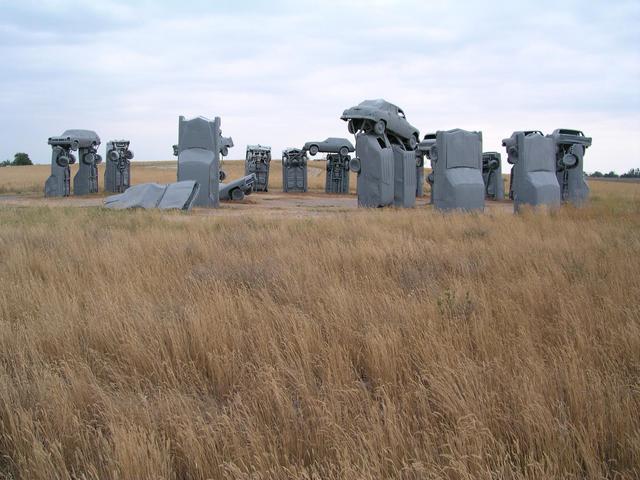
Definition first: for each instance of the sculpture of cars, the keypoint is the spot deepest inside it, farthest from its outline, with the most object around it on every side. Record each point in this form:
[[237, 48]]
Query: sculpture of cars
[[225, 144], [330, 145], [293, 157], [380, 116], [237, 189]]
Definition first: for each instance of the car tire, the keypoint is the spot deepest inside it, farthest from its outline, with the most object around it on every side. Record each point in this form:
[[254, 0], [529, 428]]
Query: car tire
[[222, 175], [62, 161], [113, 155], [379, 127], [224, 151], [89, 158], [413, 142], [313, 150], [237, 195], [351, 126], [128, 154], [355, 165], [344, 151], [569, 161]]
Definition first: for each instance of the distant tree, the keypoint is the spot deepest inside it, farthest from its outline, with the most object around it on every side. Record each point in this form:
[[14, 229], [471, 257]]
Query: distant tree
[[596, 174], [21, 159], [633, 173], [5, 163], [611, 174]]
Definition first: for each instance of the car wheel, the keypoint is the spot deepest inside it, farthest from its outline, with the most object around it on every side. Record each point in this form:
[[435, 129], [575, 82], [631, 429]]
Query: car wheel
[[222, 175], [569, 161], [224, 151], [128, 154], [413, 142], [113, 155], [379, 127], [355, 165], [63, 161], [344, 151], [351, 126], [313, 150], [89, 158], [237, 195]]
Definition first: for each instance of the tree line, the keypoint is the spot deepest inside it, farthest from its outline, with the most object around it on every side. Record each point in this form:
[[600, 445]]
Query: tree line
[[19, 159], [633, 173]]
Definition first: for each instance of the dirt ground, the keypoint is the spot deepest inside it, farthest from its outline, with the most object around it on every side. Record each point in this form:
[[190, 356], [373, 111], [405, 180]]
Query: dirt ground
[[272, 204]]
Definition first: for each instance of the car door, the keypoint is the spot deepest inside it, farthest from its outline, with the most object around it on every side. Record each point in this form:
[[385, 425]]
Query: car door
[[401, 123]]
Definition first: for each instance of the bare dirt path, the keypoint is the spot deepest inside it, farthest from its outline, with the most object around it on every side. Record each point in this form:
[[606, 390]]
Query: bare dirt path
[[267, 204]]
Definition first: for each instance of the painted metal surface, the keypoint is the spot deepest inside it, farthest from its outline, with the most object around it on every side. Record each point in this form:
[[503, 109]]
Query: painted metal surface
[[534, 181]]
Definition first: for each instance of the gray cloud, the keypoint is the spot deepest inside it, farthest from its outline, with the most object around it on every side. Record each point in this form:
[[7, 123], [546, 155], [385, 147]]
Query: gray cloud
[[281, 72]]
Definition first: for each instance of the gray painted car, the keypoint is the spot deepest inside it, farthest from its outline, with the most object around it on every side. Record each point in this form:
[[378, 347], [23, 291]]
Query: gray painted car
[[380, 117], [225, 144], [330, 145], [237, 189]]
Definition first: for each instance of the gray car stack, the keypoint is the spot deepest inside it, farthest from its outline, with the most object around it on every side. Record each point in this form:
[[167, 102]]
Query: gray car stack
[[117, 173], [570, 149], [338, 158], [385, 160], [294, 170], [456, 161], [492, 175], [533, 176], [258, 162], [86, 142], [199, 144]]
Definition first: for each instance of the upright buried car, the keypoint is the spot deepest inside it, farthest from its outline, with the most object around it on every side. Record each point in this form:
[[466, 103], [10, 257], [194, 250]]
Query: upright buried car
[[380, 117], [330, 145]]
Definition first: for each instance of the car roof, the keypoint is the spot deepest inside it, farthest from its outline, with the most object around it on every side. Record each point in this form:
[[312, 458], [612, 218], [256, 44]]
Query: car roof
[[379, 103]]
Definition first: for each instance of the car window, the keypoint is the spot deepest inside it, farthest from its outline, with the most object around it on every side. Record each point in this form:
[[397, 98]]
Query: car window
[[401, 113]]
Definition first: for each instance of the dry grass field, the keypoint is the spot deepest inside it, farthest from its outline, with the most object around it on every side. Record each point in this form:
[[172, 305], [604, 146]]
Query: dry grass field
[[358, 345], [29, 180]]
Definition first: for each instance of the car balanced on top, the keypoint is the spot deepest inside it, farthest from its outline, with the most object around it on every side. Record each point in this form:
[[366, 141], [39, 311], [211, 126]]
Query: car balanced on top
[[382, 118], [330, 145]]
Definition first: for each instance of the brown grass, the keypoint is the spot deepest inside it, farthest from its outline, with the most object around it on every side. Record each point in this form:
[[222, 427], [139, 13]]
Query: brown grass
[[375, 344], [20, 180]]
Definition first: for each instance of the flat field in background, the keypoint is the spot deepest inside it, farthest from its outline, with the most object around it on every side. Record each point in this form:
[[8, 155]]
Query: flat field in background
[[362, 344], [31, 179]]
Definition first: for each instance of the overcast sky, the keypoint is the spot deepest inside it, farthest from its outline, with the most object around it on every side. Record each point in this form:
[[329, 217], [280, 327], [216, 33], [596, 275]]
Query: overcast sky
[[281, 72]]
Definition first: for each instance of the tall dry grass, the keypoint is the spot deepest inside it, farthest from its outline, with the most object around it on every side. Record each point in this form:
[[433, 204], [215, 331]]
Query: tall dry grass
[[375, 344]]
